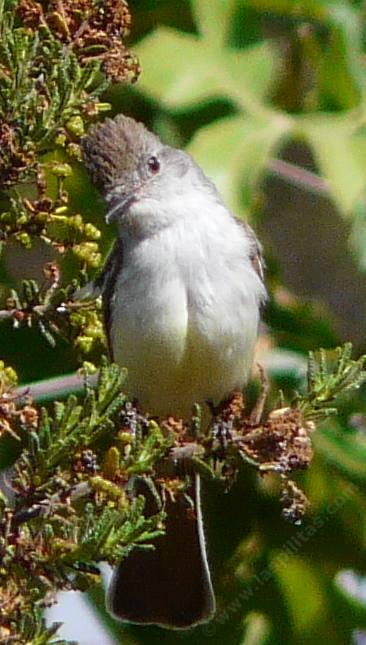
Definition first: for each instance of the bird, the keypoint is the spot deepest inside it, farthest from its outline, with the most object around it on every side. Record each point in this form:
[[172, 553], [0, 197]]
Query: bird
[[182, 291]]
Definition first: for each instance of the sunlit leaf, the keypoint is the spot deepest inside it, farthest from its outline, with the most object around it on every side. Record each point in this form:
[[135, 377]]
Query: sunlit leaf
[[358, 233], [182, 70], [319, 10], [340, 154], [213, 19], [234, 152], [344, 452], [305, 594]]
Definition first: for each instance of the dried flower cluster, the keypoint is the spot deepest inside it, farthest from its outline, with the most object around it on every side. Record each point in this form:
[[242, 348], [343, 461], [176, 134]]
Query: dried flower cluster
[[92, 29], [16, 159], [56, 58], [282, 443]]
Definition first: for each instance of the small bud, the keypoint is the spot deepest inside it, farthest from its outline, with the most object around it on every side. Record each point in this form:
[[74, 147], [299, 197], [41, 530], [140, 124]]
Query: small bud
[[24, 239], [74, 151], [58, 21], [22, 219], [111, 463], [61, 140], [103, 107], [75, 221], [91, 231], [61, 170], [11, 378], [84, 343], [111, 490], [89, 368], [41, 217], [88, 252], [125, 438], [75, 126]]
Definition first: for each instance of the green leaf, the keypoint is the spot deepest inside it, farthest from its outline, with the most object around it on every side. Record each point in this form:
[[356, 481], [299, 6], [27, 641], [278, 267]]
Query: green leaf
[[357, 238], [319, 10], [307, 603], [182, 70], [234, 152], [340, 153], [345, 452], [175, 69], [248, 74], [330, 374], [341, 78], [213, 19]]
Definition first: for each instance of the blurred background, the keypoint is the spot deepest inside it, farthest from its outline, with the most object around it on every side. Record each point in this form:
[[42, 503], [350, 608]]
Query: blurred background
[[269, 98]]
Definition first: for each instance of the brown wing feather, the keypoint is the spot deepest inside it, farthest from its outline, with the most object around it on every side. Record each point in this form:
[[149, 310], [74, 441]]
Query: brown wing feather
[[256, 256], [106, 282]]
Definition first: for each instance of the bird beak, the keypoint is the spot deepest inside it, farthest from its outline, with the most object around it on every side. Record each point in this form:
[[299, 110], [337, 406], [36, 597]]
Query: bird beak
[[118, 206]]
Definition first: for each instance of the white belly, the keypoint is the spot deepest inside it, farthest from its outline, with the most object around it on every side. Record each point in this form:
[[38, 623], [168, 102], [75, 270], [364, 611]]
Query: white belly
[[184, 336]]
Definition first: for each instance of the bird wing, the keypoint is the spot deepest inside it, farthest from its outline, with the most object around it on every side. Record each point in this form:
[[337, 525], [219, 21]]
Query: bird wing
[[256, 256], [105, 284]]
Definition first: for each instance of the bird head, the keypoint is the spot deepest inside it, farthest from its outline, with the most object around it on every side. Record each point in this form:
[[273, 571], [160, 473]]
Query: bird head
[[132, 168]]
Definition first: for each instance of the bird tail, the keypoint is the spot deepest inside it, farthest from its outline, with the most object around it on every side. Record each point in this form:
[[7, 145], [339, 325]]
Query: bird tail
[[171, 585]]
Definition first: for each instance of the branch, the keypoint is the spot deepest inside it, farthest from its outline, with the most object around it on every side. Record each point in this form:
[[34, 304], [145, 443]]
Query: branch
[[50, 307], [298, 176], [73, 504]]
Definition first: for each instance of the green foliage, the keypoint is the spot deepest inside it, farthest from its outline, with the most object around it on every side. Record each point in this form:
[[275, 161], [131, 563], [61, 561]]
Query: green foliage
[[76, 425], [49, 90], [236, 82], [70, 480], [70, 510], [54, 65], [33, 629], [50, 84], [51, 308], [26, 96], [326, 382]]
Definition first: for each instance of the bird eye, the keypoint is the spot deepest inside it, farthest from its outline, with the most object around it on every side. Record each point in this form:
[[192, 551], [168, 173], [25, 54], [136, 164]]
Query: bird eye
[[153, 165]]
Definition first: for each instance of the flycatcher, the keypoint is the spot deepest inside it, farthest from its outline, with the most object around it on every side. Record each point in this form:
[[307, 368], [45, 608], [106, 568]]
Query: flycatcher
[[182, 290]]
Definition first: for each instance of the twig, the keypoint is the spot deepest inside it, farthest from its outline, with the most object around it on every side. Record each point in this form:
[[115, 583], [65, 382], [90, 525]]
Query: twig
[[300, 177], [42, 508], [256, 413], [7, 313], [60, 386]]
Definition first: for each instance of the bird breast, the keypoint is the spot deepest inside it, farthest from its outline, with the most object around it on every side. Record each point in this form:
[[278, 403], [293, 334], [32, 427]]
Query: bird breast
[[185, 317]]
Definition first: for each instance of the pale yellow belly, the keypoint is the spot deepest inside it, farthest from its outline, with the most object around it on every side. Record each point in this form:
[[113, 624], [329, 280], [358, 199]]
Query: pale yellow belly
[[169, 375]]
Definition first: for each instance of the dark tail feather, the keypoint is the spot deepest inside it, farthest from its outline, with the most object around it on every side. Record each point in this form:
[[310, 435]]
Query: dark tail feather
[[170, 586]]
